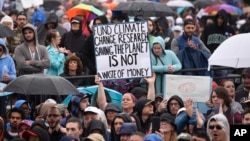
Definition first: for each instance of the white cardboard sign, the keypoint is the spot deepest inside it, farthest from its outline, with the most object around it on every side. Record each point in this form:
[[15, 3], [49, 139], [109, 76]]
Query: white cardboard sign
[[122, 50]]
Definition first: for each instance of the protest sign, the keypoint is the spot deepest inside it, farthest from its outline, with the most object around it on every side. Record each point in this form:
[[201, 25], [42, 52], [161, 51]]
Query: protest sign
[[122, 50], [31, 3], [198, 88]]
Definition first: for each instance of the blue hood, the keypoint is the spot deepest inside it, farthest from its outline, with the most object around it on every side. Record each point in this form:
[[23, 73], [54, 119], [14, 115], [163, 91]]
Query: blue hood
[[153, 137], [19, 103], [6, 51], [160, 41]]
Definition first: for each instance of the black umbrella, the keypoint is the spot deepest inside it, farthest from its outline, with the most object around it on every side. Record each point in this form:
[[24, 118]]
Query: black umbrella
[[5, 31], [41, 84], [144, 8], [203, 3]]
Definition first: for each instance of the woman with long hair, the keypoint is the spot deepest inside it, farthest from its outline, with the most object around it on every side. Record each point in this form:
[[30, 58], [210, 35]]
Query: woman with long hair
[[56, 53], [222, 104], [230, 87]]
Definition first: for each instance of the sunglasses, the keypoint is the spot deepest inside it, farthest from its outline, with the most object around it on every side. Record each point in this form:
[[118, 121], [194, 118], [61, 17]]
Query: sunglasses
[[218, 127]]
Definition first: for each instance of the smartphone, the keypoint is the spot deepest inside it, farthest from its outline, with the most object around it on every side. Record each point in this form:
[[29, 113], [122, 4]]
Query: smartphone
[[155, 123]]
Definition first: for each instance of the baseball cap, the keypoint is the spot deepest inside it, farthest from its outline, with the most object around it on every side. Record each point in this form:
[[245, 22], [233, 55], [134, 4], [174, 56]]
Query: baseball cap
[[75, 21], [112, 107], [28, 133], [184, 136], [91, 109], [168, 118], [138, 92], [127, 129], [25, 122], [36, 132]]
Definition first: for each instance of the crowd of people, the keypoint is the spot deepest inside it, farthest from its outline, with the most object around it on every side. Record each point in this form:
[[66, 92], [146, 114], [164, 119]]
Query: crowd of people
[[59, 46]]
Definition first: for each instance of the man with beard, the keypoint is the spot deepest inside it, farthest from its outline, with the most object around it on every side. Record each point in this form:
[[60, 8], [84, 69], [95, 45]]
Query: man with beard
[[242, 94], [15, 117], [30, 57], [53, 119], [17, 39], [187, 39], [190, 50]]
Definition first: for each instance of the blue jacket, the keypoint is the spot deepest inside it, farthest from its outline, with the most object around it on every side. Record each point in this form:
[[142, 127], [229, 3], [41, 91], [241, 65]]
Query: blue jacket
[[192, 58], [56, 61], [6, 60], [160, 63]]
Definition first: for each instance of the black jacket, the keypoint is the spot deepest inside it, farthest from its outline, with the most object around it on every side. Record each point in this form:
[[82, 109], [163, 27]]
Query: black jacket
[[213, 35]]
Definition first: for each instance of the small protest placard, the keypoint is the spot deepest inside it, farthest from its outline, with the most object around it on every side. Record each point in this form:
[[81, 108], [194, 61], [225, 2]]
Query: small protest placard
[[197, 88], [30, 3], [122, 50]]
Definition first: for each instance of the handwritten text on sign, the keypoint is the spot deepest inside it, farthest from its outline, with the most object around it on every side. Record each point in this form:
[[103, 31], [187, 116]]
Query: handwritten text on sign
[[122, 50], [197, 88]]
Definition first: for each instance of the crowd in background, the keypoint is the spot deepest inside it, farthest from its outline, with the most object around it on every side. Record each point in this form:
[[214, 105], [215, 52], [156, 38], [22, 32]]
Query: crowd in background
[[49, 42]]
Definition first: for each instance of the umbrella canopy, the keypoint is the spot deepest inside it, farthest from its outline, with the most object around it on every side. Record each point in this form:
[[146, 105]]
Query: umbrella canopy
[[204, 3], [179, 3], [212, 10], [5, 31], [2, 85], [84, 10], [115, 96], [41, 84], [233, 52], [144, 8]]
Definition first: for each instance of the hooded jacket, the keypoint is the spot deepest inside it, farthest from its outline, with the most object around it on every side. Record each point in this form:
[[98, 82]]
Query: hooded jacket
[[223, 122], [140, 104], [97, 125], [213, 35], [40, 61], [74, 40], [160, 63], [126, 118], [19, 103], [43, 29], [7, 62], [7, 18], [178, 99]]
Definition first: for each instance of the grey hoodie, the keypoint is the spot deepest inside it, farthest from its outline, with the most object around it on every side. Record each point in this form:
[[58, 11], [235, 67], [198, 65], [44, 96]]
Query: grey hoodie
[[22, 53]]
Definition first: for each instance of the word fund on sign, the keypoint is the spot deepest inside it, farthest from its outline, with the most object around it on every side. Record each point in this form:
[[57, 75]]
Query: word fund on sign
[[122, 50]]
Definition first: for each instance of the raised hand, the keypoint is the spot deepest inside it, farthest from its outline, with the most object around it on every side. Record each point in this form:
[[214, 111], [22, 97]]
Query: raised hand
[[189, 106], [97, 80], [199, 119], [151, 79], [162, 106]]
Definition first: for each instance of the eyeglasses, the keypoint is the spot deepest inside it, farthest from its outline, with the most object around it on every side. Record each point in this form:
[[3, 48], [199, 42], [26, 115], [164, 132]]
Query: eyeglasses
[[53, 115], [174, 104], [218, 127]]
